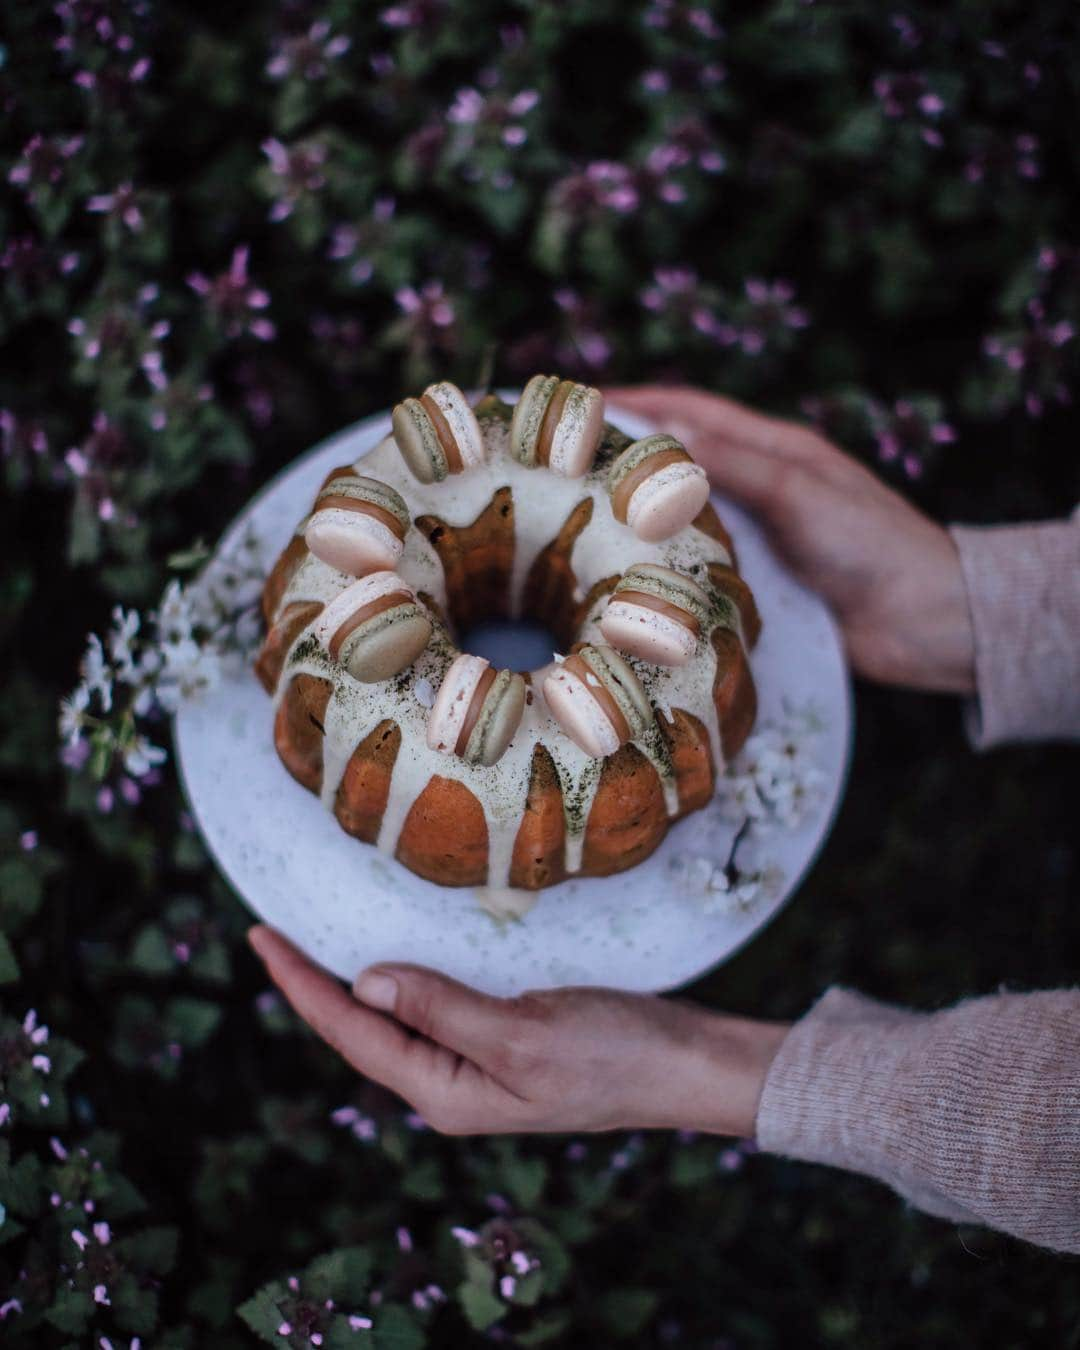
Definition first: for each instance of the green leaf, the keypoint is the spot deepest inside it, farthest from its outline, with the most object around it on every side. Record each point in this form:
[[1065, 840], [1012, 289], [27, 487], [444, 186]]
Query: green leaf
[[20, 893], [9, 966], [423, 1180], [71, 1311], [396, 1329], [21, 1184], [627, 1311], [151, 953], [341, 1275], [547, 1327], [481, 1306], [262, 1314], [192, 1021], [151, 1249]]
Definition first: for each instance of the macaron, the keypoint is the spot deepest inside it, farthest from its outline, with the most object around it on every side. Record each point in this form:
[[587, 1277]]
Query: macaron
[[438, 433], [656, 488], [656, 614], [557, 424], [477, 711], [357, 525], [597, 700], [375, 627]]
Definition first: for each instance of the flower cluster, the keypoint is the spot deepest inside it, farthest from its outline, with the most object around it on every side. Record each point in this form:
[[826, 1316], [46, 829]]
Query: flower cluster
[[233, 300], [140, 671], [774, 781]]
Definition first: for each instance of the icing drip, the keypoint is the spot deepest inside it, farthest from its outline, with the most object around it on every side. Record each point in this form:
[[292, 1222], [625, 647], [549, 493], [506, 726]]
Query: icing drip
[[604, 548]]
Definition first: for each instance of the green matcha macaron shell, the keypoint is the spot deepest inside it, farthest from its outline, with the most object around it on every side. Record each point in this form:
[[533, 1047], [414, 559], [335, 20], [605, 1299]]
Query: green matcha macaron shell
[[476, 711], [557, 424], [656, 488], [375, 627], [437, 433]]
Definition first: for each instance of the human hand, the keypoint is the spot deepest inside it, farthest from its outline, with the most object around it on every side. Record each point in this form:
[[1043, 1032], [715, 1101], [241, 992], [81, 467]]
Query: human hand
[[890, 574], [574, 1059]]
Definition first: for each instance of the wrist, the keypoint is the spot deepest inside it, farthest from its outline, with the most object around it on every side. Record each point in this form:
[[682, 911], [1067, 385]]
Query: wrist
[[721, 1072]]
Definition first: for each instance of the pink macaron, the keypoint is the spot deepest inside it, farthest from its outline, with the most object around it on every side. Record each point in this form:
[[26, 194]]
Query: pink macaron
[[358, 525], [656, 488], [477, 711], [656, 614], [597, 700], [375, 627]]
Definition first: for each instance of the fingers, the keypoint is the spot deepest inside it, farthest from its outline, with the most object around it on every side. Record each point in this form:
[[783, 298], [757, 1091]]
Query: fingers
[[702, 419], [449, 1012], [752, 478], [375, 1045]]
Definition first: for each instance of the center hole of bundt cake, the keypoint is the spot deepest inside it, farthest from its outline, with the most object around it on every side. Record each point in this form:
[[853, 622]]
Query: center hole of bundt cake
[[516, 644]]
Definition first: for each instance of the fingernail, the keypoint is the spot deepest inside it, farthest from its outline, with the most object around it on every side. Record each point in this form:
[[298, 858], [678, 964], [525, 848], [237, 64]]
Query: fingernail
[[376, 990], [256, 936]]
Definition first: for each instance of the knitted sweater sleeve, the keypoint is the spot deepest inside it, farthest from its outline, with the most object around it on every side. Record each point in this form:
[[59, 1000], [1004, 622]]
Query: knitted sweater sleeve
[[972, 1113], [1023, 588]]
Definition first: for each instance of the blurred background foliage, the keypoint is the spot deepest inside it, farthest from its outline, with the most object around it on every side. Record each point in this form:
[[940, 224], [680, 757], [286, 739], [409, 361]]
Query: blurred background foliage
[[230, 230]]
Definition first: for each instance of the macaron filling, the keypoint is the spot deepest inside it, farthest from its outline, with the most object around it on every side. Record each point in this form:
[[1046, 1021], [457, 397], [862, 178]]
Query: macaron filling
[[629, 484], [549, 425], [362, 508], [645, 601], [667, 500], [578, 666], [445, 436], [476, 704], [363, 614]]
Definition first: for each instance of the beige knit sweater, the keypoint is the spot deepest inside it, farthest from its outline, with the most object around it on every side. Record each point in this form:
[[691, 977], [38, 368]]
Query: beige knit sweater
[[972, 1114]]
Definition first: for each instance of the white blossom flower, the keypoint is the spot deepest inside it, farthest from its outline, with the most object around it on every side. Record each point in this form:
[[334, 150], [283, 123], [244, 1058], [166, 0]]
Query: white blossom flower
[[140, 756], [96, 672], [71, 720], [123, 632]]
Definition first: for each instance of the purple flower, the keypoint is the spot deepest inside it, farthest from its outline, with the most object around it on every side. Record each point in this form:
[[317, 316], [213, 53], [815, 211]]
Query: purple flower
[[908, 433], [121, 204], [43, 163], [1033, 356], [234, 300], [428, 310], [299, 169], [21, 442], [308, 55], [416, 14], [98, 465], [997, 158]]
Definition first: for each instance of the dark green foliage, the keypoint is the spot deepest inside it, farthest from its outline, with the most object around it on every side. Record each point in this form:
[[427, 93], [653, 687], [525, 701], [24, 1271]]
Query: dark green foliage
[[227, 232]]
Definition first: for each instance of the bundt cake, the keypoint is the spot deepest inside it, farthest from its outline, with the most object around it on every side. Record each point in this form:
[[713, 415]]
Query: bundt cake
[[472, 777]]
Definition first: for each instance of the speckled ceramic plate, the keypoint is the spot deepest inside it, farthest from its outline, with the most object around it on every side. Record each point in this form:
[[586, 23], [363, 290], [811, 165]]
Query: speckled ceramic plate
[[655, 927]]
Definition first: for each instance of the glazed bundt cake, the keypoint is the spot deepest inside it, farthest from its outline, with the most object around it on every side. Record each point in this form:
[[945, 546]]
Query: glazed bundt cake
[[470, 776]]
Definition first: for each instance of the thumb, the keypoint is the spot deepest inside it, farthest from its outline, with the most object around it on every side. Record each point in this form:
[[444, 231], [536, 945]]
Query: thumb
[[438, 1007]]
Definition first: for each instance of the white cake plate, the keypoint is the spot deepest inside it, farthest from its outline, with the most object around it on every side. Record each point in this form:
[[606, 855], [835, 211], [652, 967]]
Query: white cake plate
[[347, 905]]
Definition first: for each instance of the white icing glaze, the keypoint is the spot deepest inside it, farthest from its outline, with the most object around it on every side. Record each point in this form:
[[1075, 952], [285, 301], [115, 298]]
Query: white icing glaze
[[604, 548]]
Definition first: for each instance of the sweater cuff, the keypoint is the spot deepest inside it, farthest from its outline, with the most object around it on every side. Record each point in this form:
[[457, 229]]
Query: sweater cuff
[[971, 1113], [836, 1090], [1023, 587]]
